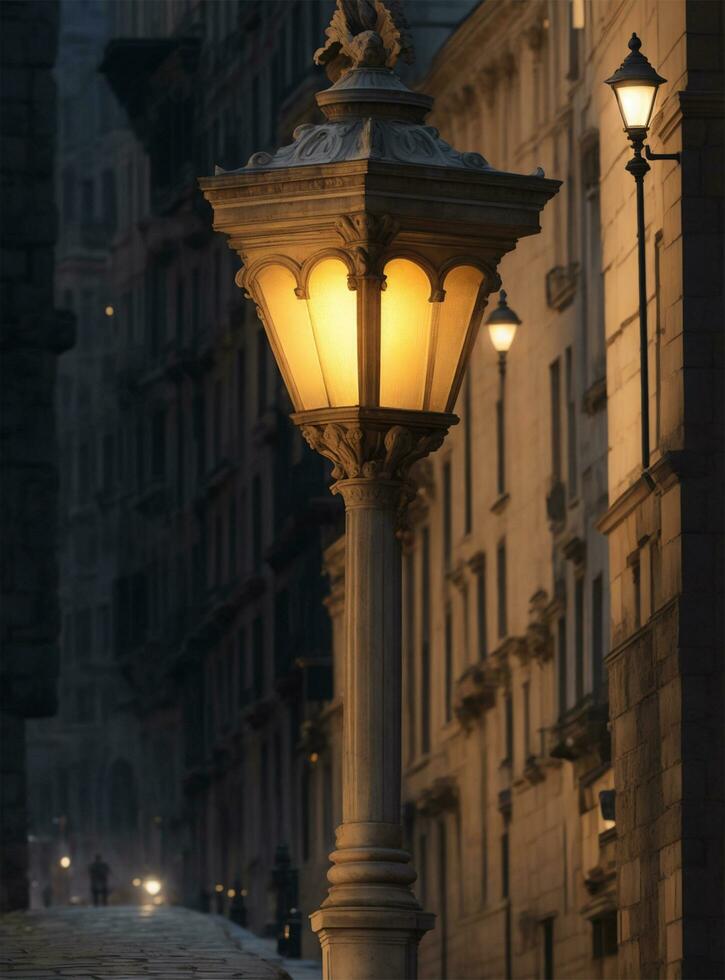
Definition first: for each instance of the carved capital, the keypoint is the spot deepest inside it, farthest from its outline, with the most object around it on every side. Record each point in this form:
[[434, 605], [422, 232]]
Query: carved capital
[[366, 236], [377, 446]]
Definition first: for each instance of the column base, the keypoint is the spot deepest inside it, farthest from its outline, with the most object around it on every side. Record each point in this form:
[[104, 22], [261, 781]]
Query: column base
[[370, 943]]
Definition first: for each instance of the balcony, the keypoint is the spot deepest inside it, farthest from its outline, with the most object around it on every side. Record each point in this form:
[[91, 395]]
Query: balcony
[[582, 734], [441, 796], [561, 284], [475, 692]]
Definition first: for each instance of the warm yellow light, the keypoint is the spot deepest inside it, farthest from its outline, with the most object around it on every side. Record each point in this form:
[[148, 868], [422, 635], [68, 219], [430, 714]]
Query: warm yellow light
[[635, 104], [405, 334], [314, 757], [158, 900], [502, 336], [109, 311], [333, 313], [291, 338], [136, 882], [152, 886], [457, 316], [219, 888], [231, 893], [65, 861]]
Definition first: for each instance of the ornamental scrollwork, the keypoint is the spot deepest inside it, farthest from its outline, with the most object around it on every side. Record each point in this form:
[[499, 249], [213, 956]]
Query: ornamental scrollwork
[[365, 34], [361, 453]]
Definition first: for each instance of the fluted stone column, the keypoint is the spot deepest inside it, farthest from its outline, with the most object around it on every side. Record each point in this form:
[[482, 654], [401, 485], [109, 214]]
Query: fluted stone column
[[371, 923]]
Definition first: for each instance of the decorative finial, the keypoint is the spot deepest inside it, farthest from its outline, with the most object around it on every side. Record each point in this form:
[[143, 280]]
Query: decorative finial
[[634, 43], [502, 298], [365, 34]]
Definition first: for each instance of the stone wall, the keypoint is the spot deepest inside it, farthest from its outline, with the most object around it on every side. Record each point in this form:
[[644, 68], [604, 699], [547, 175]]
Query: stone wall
[[32, 334]]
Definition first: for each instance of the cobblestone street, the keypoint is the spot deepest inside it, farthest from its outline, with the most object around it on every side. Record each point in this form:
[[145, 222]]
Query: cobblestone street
[[125, 943]]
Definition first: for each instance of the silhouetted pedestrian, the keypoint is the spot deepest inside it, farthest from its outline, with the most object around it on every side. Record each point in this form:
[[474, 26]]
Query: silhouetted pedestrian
[[99, 873]]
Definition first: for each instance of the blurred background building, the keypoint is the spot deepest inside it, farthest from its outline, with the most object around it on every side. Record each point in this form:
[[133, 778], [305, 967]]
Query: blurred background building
[[202, 585], [32, 335]]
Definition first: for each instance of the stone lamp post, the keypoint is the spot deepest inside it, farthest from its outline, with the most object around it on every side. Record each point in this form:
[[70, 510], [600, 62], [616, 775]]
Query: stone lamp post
[[370, 247]]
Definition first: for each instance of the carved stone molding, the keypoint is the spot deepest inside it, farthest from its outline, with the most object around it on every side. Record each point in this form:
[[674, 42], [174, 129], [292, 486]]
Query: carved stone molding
[[392, 141], [475, 693]]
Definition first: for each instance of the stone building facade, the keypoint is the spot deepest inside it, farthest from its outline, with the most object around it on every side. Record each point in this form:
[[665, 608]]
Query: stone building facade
[[195, 641], [32, 334], [555, 713]]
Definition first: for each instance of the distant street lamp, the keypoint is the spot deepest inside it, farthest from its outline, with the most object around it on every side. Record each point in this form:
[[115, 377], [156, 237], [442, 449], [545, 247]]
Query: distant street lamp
[[65, 862], [152, 886], [370, 247], [502, 325], [635, 85]]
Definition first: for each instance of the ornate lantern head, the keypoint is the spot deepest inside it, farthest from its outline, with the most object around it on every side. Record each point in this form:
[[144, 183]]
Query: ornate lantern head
[[635, 85], [370, 245]]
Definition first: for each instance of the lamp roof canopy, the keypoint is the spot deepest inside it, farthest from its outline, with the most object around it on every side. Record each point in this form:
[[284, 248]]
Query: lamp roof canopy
[[635, 69], [374, 154]]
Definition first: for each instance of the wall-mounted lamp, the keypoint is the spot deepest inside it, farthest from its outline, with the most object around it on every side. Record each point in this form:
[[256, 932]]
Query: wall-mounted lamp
[[635, 85]]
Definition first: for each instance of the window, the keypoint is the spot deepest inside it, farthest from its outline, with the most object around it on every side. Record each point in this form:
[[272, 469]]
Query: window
[[305, 811], [195, 303], [448, 682], [443, 895], [561, 665], [158, 444], [526, 698], [69, 195], [555, 393], [425, 644], [579, 638], [179, 311], [570, 425], [258, 657], [218, 419], [282, 632], [501, 587], [504, 865], [261, 373], [256, 523], [110, 209], [87, 207], [232, 538], [593, 332], [241, 398], [481, 607], [509, 728], [109, 457], [447, 514], [467, 460], [547, 928], [604, 936], [422, 864], [597, 633]]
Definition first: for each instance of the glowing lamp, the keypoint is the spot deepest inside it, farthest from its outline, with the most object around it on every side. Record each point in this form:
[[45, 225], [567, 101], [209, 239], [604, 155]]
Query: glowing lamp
[[152, 886], [635, 85], [65, 861], [502, 325]]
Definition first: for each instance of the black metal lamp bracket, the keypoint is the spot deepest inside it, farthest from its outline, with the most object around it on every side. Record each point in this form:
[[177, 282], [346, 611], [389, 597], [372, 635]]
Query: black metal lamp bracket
[[660, 156]]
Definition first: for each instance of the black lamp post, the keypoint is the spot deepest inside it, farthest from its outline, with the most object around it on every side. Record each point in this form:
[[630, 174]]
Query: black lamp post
[[635, 85]]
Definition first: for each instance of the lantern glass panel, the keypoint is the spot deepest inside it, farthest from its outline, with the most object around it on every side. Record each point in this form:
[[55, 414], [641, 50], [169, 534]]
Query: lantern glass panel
[[502, 335], [333, 314], [635, 104], [405, 335], [453, 319], [292, 339]]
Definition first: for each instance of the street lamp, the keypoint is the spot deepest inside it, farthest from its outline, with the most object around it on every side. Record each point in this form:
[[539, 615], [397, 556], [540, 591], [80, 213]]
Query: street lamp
[[502, 325], [370, 246], [635, 85]]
